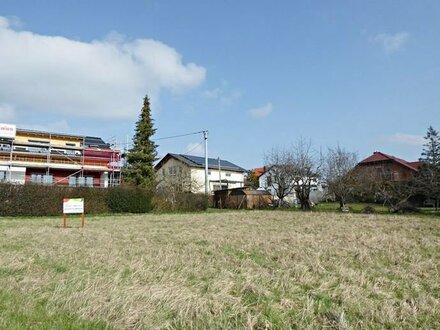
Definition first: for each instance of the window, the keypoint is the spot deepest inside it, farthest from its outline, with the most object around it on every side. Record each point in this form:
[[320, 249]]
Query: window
[[38, 141], [5, 147], [81, 181], [37, 150], [16, 175], [172, 170], [228, 174], [70, 144], [379, 171], [268, 181], [388, 175], [41, 179], [218, 187]]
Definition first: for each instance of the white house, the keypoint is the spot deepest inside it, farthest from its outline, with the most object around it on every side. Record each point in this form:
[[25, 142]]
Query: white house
[[317, 191], [189, 172]]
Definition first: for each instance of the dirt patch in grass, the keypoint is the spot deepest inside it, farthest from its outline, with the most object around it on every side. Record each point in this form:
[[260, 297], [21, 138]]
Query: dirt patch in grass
[[250, 270]]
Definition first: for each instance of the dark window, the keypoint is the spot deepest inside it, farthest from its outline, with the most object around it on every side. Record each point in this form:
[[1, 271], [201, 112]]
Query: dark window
[[269, 181], [38, 141]]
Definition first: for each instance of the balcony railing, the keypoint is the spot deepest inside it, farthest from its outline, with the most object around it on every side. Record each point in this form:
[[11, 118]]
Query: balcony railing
[[66, 161]]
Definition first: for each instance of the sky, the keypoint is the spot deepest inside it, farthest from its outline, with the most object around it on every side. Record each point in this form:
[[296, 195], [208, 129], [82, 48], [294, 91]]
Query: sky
[[255, 74]]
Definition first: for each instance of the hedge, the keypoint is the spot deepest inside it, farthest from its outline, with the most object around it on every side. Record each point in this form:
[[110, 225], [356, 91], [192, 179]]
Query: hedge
[[164, 201], [39, 200]]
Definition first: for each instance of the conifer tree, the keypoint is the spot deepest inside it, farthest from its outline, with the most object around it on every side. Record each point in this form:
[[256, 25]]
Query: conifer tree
[[141, 157], [427, 179], [431, 152]]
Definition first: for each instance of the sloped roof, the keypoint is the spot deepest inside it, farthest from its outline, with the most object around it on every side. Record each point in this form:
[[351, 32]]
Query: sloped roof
[[259, 171], [197, 161], [378, 156]]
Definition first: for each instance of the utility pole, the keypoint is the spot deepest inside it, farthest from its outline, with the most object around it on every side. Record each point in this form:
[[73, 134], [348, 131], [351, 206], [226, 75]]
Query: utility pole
[[205, 136], [219, 173], [10, 161]]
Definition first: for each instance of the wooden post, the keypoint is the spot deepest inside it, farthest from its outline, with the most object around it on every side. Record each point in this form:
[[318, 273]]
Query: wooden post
[[82, 220], [65, 220]]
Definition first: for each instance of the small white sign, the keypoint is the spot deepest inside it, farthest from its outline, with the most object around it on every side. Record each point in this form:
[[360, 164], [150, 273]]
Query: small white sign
[[8, 131], [73, 205]]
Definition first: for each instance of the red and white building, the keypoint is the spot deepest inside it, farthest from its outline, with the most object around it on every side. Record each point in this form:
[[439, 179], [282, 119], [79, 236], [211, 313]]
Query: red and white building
[[29, 156]]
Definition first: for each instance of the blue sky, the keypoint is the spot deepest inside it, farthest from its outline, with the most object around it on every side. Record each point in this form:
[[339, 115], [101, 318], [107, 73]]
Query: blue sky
[[256, 74]]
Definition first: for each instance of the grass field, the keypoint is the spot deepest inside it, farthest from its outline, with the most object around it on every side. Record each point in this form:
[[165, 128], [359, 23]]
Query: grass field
[[249, 270]]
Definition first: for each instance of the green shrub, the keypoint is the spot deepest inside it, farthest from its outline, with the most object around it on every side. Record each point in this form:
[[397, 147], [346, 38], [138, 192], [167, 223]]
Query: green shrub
[[162, 204], [39, 200], [129, 199], [188, 202], [166, 201]]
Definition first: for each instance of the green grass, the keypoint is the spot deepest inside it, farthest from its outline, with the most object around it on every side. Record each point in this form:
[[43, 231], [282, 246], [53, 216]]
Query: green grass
[[246, 270], [354, 207]]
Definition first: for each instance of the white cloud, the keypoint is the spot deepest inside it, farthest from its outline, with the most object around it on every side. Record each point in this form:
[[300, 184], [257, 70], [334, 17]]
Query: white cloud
[[195, 149], [223, 94], [103, 79], [406, 139], [213, 93], [392, 42], [7, 113], [261, 112]]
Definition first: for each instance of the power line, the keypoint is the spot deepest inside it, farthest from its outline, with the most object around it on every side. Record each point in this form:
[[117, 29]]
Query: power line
[[176, 136], [158, 139], [186, 153]]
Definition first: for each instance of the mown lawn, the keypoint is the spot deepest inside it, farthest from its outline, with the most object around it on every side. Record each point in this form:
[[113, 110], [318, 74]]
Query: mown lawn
[[249, 270]]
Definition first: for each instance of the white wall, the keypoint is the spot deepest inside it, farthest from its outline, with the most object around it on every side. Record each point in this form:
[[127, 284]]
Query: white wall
[[317, 192], [13, 175], [231, 178], [262, 180]]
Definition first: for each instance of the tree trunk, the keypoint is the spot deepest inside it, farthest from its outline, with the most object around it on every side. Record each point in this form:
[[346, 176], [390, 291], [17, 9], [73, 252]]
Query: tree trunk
[[305, 204]]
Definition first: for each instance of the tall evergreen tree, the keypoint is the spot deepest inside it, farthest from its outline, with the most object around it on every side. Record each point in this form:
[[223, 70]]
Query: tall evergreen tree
[[431, 151], [141, 157], [427, 179]]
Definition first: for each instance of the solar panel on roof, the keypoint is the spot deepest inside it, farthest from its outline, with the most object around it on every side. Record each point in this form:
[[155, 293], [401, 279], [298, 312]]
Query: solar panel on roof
[[95, 142], [212, 162]]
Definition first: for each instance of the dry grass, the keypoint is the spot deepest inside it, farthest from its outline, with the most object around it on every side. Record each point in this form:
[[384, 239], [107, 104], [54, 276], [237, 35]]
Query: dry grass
[[250, 270]]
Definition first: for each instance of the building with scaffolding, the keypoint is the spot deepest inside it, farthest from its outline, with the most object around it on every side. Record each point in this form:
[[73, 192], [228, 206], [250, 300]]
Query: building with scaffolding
[[29, 156]]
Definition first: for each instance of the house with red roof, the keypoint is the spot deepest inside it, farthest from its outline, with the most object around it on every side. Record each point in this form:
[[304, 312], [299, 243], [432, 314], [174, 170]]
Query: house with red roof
[[389, 167], [259, 171]]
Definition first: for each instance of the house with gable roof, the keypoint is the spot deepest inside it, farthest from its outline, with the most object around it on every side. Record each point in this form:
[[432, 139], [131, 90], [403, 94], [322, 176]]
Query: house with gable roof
[[389, 167], [189, 171]]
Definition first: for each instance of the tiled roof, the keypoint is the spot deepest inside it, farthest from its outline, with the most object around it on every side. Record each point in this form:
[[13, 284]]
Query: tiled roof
[[259, 171], [380, 157]]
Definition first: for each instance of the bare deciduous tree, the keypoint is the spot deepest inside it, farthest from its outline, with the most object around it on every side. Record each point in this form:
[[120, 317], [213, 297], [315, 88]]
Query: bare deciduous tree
[[338, 173], [377, 185], [306, 170], [280, 174], [293, 170], [171, 185]]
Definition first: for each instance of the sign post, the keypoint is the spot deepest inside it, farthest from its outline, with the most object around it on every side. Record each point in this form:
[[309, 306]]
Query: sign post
[[73, 206]]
